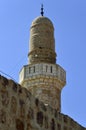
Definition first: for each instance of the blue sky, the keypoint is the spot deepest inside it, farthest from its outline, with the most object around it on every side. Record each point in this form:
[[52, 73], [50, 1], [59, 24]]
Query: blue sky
[[69, 19]]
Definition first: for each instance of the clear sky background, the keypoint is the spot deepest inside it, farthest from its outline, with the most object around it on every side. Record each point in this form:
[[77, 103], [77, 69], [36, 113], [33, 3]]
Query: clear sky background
[[69, 19]]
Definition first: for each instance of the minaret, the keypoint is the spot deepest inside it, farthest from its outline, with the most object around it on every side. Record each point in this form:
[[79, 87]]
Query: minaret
[[42, 76]]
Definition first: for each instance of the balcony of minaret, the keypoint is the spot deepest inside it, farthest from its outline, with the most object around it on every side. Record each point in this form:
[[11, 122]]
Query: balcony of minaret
[[42, 73]]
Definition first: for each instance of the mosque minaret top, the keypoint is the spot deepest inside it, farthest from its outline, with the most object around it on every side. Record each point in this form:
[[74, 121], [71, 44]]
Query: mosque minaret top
[[42, 41]]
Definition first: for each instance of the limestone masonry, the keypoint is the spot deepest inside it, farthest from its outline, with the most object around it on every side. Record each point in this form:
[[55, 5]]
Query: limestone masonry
[[42, 76], [35, 103], [19, 110]]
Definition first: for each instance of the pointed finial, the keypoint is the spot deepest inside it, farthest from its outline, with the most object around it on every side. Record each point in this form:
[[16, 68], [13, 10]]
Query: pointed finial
[[42, 12]]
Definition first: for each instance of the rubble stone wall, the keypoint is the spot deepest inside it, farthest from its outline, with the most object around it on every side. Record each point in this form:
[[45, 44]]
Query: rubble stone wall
[[19, 110]]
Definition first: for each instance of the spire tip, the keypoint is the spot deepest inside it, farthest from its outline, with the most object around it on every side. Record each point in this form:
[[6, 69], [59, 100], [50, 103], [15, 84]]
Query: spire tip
[[42, 10]]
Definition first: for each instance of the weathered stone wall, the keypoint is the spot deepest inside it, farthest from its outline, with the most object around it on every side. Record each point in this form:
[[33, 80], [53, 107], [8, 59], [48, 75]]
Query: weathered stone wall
[[19, 110]]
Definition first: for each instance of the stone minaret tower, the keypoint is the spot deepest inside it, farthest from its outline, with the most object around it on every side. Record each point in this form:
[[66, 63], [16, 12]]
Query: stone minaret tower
[[42, 76]]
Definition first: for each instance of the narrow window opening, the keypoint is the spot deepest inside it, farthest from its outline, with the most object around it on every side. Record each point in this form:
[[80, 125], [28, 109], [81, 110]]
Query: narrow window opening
[[29, 70], [46, 68], [51, 69], [34, 69]]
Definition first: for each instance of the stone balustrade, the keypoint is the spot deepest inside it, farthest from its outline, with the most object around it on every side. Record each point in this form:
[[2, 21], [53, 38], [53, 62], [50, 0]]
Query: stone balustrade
[[52, 71]]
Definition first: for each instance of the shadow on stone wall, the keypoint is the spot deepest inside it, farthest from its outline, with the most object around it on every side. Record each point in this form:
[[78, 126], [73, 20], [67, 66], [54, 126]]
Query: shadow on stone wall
[[19, 110]]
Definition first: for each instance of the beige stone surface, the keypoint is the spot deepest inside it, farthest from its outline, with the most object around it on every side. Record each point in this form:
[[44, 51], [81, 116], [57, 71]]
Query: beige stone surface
[[42, 42], [43, 77], [44, 83], [36, 103], [19, 110]]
